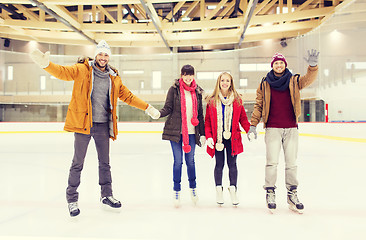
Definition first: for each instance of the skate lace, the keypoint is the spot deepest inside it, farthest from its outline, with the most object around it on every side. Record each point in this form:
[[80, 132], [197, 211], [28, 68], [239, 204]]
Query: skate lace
[[294, 198], [112, 199], [176, 195], [73, 206], [271, 197], [193, 192]]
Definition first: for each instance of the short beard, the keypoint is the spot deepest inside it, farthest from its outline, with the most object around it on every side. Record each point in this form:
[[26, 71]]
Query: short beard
[[99, 66], [279, 74]]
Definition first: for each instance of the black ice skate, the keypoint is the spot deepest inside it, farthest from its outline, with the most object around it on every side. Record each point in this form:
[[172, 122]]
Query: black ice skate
[[271, 199], [110, 203], [73, 209], [293, 201]]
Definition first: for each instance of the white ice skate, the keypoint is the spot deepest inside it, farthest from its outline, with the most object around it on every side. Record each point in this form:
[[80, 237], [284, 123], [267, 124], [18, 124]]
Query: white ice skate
[[271, 199], [194, 196], [293, 201], [176, 199], [234, 199], [110, 204], [219, 195]]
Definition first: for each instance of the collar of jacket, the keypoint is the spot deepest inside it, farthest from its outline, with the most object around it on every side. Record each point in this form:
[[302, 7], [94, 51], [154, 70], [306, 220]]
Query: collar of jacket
[[176, 85], [113, 72]]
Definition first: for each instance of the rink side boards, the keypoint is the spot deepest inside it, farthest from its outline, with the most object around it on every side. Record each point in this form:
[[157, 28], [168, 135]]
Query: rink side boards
[[347, 139]]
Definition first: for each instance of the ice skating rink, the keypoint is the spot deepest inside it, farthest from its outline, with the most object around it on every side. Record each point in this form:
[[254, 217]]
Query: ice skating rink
[[35, 160]]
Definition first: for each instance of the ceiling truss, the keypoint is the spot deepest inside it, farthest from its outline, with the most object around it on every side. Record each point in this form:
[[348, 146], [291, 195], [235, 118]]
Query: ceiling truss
[[161, 23]]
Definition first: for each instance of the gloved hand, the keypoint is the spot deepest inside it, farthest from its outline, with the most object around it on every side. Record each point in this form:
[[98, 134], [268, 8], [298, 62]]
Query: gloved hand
[[210, 143], [312, 59], [252, 129], [152, 112], [40, 58], [202, 140]]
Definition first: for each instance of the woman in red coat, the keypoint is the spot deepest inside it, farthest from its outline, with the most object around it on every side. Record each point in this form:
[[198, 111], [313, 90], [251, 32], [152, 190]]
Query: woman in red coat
[[224, 112]]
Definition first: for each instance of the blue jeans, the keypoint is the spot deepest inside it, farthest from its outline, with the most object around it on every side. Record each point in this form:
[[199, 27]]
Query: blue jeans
[[178, 162]]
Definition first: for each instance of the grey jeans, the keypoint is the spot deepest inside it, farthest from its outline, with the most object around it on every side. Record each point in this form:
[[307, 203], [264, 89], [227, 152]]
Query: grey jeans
[[100, 134], [288, 139]]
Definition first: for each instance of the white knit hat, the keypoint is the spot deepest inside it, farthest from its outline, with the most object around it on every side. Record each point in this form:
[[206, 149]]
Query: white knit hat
[[102, 47]]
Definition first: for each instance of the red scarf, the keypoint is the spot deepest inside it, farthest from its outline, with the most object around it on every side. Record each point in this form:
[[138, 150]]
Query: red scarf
[[194, 120]]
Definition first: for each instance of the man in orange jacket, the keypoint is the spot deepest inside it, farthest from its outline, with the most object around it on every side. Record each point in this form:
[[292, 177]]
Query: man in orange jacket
[[92, 113]]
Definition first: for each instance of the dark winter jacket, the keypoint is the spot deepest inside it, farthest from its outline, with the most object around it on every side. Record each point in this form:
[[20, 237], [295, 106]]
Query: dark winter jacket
[[173, 125]]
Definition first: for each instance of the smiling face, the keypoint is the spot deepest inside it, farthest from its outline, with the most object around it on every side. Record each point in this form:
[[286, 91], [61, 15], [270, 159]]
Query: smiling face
[[101, 60], [225, 84], [187, 79], [279, 66]]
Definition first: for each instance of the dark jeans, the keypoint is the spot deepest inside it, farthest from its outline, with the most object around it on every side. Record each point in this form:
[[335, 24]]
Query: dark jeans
[[231, 162], [178, 162], [100, 134]]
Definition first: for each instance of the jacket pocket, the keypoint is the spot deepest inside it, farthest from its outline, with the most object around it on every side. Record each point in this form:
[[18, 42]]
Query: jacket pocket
[[76, 119]]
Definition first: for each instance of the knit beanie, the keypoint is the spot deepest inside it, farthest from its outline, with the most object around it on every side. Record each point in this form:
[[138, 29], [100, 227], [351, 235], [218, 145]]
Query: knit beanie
[[103, 47], [278, 57]]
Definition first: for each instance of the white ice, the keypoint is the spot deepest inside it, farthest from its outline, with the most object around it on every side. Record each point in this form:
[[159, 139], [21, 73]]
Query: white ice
[[34, 169]]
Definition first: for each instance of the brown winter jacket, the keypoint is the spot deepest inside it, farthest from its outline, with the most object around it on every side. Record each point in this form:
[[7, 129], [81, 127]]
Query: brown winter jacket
[[173, 125], [263, 99], [79, 116]]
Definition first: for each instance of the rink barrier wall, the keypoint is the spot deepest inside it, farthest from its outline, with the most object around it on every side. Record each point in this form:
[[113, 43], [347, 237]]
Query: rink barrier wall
[[347, 139], [350, 132]]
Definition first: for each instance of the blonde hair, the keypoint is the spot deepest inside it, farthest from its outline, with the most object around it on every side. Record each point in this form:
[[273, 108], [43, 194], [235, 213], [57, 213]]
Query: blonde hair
[[215, 95]]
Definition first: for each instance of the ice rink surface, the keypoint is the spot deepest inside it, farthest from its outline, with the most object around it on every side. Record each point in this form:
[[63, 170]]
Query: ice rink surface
[[35, 160]]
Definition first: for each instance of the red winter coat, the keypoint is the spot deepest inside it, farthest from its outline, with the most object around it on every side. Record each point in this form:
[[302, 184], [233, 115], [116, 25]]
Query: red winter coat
[[239, 115]]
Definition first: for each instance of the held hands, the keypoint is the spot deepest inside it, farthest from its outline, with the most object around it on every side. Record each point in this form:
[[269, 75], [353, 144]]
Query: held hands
[[210, 143], [202, 140], [40, 58], [253, 130], [152, 112], [312, 59]]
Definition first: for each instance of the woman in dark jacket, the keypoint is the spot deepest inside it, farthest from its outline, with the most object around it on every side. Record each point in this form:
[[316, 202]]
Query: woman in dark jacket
[[184, 127]]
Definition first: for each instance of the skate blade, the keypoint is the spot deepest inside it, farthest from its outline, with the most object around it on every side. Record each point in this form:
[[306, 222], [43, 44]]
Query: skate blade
[[107, 208], [74, 218], [176, 204], [272, 210], [220, 204], [294, 209]]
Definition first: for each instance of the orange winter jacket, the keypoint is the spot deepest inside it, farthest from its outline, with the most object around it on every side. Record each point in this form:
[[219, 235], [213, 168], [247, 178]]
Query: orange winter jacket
[[79, 116]]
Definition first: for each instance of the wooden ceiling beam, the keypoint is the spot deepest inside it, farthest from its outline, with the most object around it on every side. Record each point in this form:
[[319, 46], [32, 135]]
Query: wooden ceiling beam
[[105, 12], [35, 25], [28, 14], [175, 10], [227, 10], [118, 27], [216, 10], [260, 6], [89, 2], [305, 14], [189, 10]]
